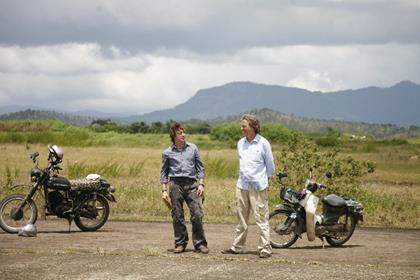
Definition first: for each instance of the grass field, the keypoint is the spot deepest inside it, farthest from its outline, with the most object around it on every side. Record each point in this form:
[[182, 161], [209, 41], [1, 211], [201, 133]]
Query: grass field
[[391, 194]]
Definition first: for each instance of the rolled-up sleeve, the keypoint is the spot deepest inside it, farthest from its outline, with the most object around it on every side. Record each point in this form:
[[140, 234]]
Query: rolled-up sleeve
[[199, 166], [164, 172]]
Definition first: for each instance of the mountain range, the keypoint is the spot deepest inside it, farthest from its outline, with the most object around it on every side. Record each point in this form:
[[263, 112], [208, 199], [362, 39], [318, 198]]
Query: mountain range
[[398, 104]]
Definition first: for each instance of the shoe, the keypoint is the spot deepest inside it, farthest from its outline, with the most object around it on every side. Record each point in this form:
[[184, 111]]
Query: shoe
[[230, 251], [179, 249], [203, 249], [264, 255]]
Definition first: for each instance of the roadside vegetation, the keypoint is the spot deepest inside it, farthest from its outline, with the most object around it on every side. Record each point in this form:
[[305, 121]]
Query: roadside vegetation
[[381, 173]]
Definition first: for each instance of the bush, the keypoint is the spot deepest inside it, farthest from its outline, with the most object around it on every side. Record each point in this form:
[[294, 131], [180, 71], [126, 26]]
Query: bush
[[226, 132], [299, 156], [276, 133]]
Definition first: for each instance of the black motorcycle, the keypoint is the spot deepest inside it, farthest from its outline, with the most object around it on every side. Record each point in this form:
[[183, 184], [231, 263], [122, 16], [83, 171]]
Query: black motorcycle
[[84, 200], [296, 216]]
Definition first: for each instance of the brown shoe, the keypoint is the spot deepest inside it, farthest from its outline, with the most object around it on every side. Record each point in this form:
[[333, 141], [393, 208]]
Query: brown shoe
[[264, 255], [230, 251], [203, 249], [179, 249]]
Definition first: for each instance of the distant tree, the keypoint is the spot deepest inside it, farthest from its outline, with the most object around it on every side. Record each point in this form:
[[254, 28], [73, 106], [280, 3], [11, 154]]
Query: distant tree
[[227, 132], [138, 127], [156, 127]]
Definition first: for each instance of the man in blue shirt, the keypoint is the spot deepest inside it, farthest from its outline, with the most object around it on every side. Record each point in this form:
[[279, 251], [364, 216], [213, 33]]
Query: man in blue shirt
[[256, 166], [181, 167]]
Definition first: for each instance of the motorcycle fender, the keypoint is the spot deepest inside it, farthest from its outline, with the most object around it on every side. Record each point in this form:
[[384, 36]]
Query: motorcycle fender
[[21, 185], [310, 209], [110, 197], [282, 207]]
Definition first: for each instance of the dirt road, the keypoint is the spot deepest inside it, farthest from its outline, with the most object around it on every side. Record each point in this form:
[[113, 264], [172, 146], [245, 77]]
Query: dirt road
[[141, 250]]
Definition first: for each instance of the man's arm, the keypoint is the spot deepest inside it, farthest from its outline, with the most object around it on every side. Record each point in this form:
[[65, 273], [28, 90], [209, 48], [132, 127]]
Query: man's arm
[[269, 160], [199, 166], [164, 172]]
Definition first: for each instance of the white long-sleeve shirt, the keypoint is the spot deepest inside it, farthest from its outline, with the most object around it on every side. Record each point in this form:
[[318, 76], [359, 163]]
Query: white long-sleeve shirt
[[256, 163]]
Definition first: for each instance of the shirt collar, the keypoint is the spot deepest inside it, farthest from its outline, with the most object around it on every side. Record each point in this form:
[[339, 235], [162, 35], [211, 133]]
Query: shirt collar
[[255, 140], [173, 146]]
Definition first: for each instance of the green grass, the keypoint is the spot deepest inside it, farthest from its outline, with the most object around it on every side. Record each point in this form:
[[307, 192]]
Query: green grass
[[391, 195]]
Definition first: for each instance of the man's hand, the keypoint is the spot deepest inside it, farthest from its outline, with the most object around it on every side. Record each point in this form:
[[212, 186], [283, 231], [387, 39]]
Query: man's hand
[[166, 200], [165, 195], [200, 190]]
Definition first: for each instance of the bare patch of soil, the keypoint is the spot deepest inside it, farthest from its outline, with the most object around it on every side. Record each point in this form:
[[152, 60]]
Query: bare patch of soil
[[143, 250]]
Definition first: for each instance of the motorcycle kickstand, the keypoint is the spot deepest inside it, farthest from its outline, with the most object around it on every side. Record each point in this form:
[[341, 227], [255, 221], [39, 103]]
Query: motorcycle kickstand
[[323, 244], [70, 219]]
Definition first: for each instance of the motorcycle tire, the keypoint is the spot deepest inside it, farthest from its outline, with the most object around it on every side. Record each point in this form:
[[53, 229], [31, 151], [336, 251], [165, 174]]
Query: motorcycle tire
[[338, 239], [28, 215], [282, 234], [93, 215]]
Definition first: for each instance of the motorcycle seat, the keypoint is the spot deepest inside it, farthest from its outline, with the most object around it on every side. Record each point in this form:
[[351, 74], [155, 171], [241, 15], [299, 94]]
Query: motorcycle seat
[[334, 200]]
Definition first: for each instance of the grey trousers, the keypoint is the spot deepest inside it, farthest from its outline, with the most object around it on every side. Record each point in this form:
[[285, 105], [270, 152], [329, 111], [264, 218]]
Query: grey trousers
[[179, 193]]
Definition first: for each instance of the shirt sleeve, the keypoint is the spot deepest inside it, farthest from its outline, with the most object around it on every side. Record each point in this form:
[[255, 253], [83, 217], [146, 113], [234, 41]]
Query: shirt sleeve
[[164, 172], [268, 158], [199, 166]]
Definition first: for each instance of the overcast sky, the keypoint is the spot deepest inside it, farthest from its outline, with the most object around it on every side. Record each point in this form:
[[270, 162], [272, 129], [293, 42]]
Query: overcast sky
[[138, 56]]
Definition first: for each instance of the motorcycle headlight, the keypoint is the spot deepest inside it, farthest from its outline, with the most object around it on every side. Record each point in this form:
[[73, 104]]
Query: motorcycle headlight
[[111, 189]]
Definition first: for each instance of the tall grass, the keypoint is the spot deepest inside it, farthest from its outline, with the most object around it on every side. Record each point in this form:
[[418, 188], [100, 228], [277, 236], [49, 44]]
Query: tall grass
[[391, 195], [219, 167]]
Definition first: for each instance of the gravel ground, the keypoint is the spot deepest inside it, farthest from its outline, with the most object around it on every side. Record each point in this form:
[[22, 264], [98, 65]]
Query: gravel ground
[[143, 250]]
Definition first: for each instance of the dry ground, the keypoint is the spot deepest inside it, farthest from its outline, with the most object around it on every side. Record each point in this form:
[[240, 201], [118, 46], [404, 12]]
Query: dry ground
[[143, 250]]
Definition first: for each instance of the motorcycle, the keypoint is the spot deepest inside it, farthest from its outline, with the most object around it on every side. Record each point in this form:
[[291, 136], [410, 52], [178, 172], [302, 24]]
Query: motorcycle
[[297, 215], [83, 200]]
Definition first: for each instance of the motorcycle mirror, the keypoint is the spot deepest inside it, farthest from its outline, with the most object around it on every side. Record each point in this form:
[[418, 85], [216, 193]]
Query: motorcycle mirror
[[328, 174], [282, 175], [34, 156]]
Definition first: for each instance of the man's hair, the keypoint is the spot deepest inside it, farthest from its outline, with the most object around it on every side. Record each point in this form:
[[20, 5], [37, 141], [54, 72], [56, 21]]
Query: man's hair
[[175, 126], [253, 122]]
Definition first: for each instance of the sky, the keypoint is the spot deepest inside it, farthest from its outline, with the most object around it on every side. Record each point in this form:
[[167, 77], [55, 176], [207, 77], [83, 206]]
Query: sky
[[136, 56]]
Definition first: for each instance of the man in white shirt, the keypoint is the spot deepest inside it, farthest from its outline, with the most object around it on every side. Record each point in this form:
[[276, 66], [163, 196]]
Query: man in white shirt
[[256, 165]]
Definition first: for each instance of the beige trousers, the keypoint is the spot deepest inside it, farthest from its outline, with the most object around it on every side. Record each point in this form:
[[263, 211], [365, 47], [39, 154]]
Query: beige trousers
[[257, 202]]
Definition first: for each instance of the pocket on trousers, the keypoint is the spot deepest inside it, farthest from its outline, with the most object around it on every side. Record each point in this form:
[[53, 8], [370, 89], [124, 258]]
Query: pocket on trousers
[[261, 209]]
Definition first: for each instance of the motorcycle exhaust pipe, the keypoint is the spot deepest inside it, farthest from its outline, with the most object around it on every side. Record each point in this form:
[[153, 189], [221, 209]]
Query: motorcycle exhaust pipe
[[321, 230]]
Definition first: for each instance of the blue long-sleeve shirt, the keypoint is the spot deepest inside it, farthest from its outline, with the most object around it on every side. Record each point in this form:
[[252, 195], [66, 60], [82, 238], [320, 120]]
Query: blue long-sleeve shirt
[[181, 163], [256, 163]]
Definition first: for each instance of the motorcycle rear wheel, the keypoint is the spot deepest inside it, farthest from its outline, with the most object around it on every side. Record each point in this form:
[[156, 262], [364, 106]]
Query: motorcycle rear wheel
[[28, 214], [93, 215], [339, 238], [282, 234]]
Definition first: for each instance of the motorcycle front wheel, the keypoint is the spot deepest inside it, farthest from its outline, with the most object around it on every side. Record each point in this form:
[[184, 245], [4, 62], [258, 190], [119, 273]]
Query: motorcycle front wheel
[[282, 234], [339, 238], [12, 220], [94, 214]]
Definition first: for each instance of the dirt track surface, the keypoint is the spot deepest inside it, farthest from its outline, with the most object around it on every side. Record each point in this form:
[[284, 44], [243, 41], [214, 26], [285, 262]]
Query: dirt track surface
[[142, 250]]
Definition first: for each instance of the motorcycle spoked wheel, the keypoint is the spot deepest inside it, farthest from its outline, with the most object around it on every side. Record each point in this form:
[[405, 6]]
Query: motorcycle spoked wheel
[[281, 235], [12, 221], [339, 238], [93, 215]]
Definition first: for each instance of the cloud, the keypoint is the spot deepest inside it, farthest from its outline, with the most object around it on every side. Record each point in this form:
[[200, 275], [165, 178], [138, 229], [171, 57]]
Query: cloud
[[138, 56], [88, 76], [209, 26]]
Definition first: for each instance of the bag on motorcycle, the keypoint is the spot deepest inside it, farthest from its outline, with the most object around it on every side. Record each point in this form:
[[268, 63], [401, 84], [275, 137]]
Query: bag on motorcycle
[[85, 185], [331, 214]]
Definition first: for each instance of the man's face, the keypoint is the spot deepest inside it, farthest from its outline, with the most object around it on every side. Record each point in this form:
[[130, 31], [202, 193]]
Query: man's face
[[180, 136], [246, 129]]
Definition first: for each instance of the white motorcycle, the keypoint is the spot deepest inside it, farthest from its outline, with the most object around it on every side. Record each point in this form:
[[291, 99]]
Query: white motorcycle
[[297, 215]]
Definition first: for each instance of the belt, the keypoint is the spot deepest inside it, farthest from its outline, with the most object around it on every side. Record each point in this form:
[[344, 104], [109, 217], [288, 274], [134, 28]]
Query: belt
[[183, 180]]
